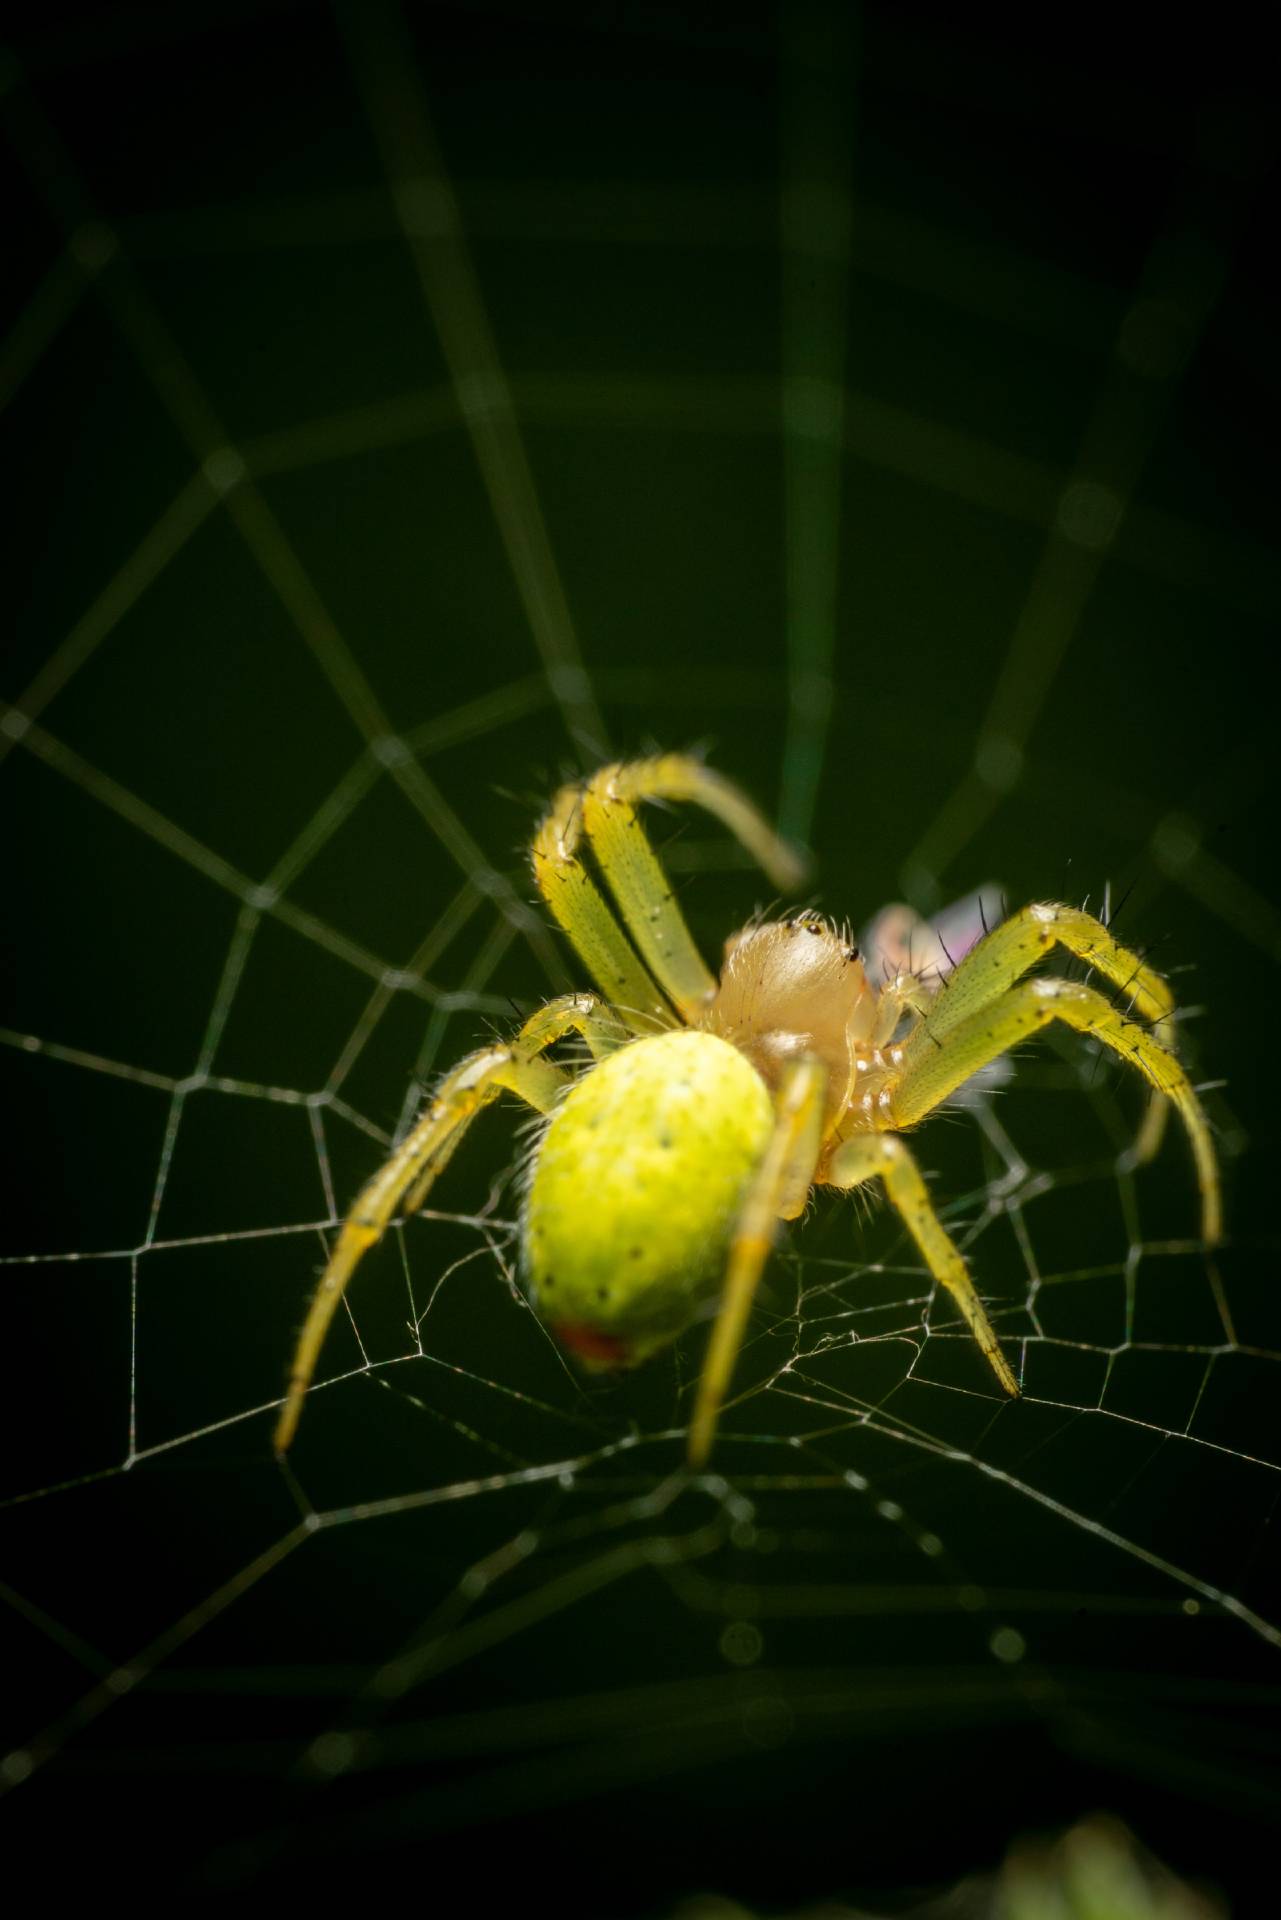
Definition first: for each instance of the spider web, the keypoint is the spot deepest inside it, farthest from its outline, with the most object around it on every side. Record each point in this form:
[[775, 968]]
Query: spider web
[[409, 438]]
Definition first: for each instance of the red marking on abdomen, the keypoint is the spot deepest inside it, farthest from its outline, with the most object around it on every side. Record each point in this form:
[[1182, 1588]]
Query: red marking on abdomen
[[601, 1349]]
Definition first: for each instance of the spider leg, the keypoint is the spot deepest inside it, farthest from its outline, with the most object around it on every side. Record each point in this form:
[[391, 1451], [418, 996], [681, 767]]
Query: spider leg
[[991, 967], [402, 1182], [931, 1067], [583, 914], [995, 963], [637, 881], [777, 1190], [907, 993], [601, 1028], [885, 1157], [1151, 1132]]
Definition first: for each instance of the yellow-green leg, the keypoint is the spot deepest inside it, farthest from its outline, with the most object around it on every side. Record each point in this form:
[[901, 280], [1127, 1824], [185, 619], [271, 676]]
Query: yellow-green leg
[[932, 1067], [581, 910], [1151, 1132], [402, 1183], [884, 1157], [993, 966], [581, 1013], [777, 1191], [637, 881]]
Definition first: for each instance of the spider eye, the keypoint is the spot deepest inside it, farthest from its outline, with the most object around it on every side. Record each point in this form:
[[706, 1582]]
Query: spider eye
[[851, 953]]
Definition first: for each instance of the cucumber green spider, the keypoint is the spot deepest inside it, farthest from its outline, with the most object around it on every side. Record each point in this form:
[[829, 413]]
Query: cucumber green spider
[[709, 1107]]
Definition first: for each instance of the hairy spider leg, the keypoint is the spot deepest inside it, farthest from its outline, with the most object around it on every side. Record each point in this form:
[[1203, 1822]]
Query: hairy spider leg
[[884, 1157], [778, 1190], [931, 1068], [601, 1028], [906, 994], [426, 1149], [995, 963], [998, 960], [582, 913], [636, 879]]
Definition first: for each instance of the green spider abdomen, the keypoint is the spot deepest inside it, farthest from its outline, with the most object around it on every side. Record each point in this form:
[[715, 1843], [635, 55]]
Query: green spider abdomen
[[635, 1191]]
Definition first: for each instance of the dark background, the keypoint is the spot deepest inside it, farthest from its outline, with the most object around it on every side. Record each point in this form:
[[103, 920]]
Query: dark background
[[1034, 264]]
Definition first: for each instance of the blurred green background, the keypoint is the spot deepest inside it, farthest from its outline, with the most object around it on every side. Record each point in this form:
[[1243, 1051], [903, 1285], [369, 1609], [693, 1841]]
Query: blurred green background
[[402, 412]]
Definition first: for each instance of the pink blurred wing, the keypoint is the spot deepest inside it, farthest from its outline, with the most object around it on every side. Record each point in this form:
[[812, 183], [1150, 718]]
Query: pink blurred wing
[[900, 940], [962, 925]]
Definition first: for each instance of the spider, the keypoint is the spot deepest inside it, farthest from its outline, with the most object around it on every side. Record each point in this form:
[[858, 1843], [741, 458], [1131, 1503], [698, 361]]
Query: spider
[[707, 1109]]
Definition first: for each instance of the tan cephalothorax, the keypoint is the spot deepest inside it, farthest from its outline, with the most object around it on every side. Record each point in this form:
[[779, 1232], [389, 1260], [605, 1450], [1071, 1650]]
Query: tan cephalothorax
[[791, 988], [709, 1108]]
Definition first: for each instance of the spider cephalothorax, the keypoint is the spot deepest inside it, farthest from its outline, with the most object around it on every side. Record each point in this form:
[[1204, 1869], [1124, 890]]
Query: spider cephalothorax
[[710, 1107], [794, 987]]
